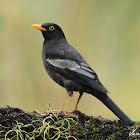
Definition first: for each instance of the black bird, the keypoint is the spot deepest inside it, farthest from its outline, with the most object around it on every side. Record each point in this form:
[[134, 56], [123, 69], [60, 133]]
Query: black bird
[[65, 65]]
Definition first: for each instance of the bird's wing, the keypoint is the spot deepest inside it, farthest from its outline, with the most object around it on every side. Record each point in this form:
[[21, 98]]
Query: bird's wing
[[78, 72]]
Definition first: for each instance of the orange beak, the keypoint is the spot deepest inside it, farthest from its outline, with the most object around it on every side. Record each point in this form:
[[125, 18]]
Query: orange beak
[[38, 26]]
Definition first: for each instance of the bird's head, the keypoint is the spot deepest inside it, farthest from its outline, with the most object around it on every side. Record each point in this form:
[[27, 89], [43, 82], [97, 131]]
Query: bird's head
[[50, 31]]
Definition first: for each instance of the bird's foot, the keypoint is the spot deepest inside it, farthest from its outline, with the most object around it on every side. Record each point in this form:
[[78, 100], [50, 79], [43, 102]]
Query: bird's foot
[[53, 111]]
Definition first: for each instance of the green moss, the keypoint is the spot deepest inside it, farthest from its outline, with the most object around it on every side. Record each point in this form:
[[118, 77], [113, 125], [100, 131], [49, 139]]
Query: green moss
[[18, 125]]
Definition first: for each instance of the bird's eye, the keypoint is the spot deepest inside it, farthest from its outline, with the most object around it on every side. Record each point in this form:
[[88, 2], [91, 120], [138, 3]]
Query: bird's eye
[[51, 28]]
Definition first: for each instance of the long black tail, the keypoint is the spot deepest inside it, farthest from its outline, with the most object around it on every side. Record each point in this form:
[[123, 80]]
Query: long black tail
[[115, 109]]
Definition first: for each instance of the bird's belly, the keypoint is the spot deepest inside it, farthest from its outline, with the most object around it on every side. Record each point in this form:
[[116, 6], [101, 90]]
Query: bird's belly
[[63, 81]]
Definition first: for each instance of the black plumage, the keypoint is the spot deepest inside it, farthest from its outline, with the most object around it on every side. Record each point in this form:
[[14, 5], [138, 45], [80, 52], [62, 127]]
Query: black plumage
[[67, 67]]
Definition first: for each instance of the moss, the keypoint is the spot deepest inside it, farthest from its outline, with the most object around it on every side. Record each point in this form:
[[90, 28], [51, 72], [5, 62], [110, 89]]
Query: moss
[[16, 124]]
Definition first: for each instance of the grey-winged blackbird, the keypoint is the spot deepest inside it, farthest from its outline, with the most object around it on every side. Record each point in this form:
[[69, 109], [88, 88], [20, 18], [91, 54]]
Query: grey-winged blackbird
[[65, 65]]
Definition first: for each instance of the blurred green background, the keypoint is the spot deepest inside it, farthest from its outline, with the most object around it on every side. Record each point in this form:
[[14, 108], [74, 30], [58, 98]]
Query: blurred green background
[[105, 32]]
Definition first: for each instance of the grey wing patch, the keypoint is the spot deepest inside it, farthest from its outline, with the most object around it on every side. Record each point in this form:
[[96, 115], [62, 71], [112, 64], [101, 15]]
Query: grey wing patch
[[85, 73], [82, 69], [60, 63], [86, 67], [86, 70]]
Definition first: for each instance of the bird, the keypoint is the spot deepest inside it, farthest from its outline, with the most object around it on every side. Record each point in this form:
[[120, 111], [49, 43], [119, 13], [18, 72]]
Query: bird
[[67, 67]]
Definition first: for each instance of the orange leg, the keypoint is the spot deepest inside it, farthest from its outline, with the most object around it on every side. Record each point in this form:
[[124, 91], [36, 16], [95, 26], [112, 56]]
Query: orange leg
[[80, 96], [66, 102]]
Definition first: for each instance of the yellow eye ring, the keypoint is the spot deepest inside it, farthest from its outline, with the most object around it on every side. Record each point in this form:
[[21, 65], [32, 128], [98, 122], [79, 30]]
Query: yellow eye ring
[[51, 28]]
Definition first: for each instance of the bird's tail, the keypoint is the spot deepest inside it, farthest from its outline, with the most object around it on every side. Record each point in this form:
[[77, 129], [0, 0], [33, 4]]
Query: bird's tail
[[115, 109]]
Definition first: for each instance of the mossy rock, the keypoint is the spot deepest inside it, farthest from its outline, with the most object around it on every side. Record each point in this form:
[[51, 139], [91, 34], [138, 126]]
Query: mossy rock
[[19, 125]]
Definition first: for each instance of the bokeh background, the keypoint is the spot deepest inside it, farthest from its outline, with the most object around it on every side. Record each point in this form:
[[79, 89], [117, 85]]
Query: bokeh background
[[105, 32]]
